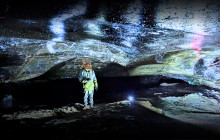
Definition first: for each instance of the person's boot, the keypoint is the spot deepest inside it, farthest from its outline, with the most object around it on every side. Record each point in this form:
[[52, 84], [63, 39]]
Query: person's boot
[[89, 107], [85, 108]]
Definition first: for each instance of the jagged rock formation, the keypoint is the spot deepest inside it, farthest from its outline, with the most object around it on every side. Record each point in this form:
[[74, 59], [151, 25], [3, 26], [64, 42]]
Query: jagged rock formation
[[41, 113], [196, 108], [172, 44]]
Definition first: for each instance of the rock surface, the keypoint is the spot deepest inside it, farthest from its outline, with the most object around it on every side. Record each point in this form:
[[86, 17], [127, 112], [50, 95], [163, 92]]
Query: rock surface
[[118, 120], [194, 108], [122, 45], [42, 113], [177, 111]]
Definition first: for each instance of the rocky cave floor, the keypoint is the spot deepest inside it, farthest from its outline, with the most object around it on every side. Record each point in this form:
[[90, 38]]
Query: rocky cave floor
[[152, 115]]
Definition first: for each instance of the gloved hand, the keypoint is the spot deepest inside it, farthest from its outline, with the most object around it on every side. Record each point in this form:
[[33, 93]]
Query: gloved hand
[[96, 88]]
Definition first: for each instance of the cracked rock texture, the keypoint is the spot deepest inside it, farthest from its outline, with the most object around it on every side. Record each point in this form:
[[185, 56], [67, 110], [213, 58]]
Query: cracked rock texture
[[177, 39], [197, 109]]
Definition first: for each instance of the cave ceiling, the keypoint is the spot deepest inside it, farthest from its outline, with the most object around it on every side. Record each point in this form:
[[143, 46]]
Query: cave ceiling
[[132, 38]]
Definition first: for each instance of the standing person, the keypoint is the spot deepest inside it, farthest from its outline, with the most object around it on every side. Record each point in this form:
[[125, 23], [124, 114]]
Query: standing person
[[88, 78]]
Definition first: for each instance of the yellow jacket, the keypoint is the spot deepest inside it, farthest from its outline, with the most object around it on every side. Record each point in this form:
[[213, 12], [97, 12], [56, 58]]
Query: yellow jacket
[[88, 78]]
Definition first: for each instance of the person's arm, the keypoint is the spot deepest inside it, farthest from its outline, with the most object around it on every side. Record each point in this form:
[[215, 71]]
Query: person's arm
[[81, 76], [95, 81]]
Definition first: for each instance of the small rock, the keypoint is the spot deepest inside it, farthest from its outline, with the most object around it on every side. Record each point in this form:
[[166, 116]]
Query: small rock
[[168, 84], [158, 93]]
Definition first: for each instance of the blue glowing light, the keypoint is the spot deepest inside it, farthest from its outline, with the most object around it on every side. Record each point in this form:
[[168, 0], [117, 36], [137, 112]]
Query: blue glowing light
[[131, 98]]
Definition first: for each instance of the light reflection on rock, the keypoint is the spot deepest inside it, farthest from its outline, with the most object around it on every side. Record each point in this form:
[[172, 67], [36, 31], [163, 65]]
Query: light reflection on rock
[[183, 35]]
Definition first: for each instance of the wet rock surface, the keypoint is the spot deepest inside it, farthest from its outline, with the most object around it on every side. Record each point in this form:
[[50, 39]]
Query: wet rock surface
[[43, 44], [199, 106], [119, 120], [42, 113], [136, 38], [167, 111]]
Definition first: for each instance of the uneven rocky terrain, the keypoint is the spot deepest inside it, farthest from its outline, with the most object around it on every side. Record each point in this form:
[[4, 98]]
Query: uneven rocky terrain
[[167, 111], [166, 54]]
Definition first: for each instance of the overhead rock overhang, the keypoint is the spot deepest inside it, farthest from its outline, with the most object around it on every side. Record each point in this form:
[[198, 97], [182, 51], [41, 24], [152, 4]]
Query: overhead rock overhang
[[182, 42]]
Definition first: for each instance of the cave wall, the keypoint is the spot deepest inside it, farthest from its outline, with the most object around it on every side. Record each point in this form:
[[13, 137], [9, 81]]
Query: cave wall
[[121, 38]]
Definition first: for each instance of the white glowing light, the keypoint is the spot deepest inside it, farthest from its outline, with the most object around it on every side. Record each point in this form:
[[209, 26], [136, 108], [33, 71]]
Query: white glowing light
[[50, 45], [58, 27], [127, 43], [58, 39], [94, 29]]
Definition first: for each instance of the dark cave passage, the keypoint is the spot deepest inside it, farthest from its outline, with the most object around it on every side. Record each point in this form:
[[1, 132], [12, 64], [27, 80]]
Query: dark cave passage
[[40, 93], [124, 120], [162, 53], [112, 121]]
